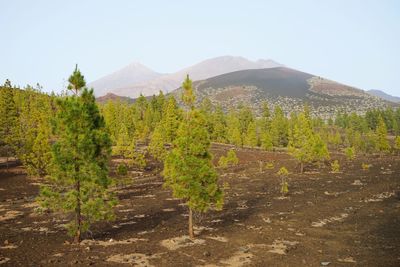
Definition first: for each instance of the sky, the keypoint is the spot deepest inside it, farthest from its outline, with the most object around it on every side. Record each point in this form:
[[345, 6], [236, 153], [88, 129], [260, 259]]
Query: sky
[[349, 41]]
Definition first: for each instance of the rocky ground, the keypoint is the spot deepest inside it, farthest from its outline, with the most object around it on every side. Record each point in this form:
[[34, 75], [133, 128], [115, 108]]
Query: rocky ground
[[328, 219]]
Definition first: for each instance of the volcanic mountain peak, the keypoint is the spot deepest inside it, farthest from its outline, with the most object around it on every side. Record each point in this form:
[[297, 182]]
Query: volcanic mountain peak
[[136, 79]]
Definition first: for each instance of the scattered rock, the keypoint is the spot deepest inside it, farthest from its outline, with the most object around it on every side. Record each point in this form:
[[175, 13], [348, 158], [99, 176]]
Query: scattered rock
[[218, 238], [110, 242], [282, 246], [325, 263], [347, 259], [206, 254], [379, 197], [9, 215], [180, 242], [244, 249], [323, 222], [357, 182]]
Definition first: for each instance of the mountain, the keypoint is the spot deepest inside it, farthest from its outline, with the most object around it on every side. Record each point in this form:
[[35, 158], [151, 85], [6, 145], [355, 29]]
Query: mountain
[[384, 95], [288, 88], [132, 74], [114, 97], [152, 82]]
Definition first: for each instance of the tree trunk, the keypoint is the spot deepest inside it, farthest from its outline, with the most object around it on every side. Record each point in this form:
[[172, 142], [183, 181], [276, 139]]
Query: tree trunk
[[78, 213], [191, 233], [301, 167]]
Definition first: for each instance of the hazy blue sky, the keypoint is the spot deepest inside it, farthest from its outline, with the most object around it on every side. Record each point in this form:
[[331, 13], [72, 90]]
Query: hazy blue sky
[[353, 42]]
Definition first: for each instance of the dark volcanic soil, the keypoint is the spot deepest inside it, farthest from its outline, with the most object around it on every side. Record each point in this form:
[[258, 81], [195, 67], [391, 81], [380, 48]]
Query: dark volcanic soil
[[339, 219]]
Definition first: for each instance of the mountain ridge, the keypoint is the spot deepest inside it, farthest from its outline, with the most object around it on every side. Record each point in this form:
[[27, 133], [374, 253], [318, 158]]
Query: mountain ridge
[[168, 82]]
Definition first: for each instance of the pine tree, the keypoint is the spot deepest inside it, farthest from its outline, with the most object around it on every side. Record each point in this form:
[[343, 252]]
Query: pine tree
[[279, 128], [156, 146], [122, 146], [171, 119], [251, 135], [219, 122], [188, 169], [301, 141], [79, 173], [397, 143], [234, 133], [76, 81], [38, 159], [381, 133], [266, 141], [320, 149], [8, 120]]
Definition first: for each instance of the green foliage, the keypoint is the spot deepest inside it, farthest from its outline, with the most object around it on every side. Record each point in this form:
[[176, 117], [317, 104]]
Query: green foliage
[[266, 141], [382, 144], [320, 149], [123, 141], [76, 81], [269, 165], [122, 169], [78, 178], [335, 166], [171, 120], [283, 173], [188, 169], [279, 128], [397, 143], [301, 140], [284, 188], [38, 159], [350, 153], [8, 120], [140, 160], [230, 160], [157, 145], [365, 166], [251, 135]]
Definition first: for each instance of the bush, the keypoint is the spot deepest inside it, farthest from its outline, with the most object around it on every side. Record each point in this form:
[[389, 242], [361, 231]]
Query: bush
[[350, 153], [230, 159], [365, 166], [122, 169], [335, 166], [283, 173], [269, 165]]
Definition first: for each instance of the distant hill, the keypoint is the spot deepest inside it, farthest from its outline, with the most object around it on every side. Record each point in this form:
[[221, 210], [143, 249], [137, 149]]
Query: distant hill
[[285, 87], [137, 79], [114, 97], [384, 95], [132, 74]]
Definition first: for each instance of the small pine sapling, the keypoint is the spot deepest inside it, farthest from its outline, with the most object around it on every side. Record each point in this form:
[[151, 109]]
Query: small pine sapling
[[335, 166], [230, 160], [269, 166], [283, 173], [122, 170], [397, 143], [365, 166], [350, 153]]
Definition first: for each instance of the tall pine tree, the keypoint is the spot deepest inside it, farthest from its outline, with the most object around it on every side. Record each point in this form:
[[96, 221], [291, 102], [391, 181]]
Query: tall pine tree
[[188, 169], [79, 177]]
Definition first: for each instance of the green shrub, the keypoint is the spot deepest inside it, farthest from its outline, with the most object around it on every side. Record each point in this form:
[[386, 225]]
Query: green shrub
[[335, 166], [283, 173], [350, 153], [230, 160], [365, 166], [122, 169], [269, 165]]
